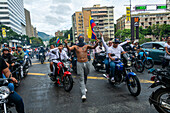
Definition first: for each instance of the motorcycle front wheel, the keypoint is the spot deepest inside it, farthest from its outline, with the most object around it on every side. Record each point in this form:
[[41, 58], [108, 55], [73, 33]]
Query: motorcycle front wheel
[[162, 97], [149, 64], [134, 86], [42, 60], [139, 66], [68, 83]]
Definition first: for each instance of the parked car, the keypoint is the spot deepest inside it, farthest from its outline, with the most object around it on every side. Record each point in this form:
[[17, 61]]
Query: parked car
[[155, 49]]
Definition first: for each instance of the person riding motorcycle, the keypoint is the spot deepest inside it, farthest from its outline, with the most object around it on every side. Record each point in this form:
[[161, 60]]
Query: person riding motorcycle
[[20, 57], [117, 50], [107, 48], [7, 57], [13, 97], [98, 49], [19, 54], [127, 46], [42, 50], [60, 54], [26, 52], [52, 55], [167, 54]]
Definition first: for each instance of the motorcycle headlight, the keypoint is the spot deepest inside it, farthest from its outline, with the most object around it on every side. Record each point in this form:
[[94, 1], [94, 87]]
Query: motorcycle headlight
[[4, 92], [41, 54], [66, 65], [136, 54], [26, 56], [147, 53], [129, 63]]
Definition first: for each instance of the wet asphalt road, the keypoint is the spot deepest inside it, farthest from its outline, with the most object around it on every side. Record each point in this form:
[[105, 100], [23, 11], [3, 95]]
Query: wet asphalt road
[[41, 95]]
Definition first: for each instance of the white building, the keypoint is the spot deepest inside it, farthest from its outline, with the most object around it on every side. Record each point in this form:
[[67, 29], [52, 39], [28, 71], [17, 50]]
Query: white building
[[12, 15]]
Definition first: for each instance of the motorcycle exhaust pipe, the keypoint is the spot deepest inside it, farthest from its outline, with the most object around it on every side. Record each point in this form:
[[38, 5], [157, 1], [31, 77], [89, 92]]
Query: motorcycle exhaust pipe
[[165, 105]]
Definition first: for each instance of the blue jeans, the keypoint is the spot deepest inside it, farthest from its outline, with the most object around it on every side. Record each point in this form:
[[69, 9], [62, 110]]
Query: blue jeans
[[112, 68], [15, 98], [106, 61]]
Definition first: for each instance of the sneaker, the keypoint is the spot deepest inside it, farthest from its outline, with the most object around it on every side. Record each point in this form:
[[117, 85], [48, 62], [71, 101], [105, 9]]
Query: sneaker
[[86, 90], [113, 79], [83, 98], [106, 76]]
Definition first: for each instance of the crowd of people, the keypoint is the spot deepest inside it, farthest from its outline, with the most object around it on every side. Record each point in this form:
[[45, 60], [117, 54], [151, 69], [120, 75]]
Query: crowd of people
[[56, 54]]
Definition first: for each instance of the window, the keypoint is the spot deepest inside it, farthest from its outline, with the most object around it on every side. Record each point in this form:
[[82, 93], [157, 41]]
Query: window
[[161, 18], [147, 46], [157, 22], [146, 19], [79, 13], [150, 23], [168, 18], [164, 22], [110, 11], [142, 24], [157, 46]]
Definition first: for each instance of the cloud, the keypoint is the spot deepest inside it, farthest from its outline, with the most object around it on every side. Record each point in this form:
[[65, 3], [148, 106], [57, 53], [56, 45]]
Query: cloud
[[61, 9], [52, 15], [61, 1], [55, 21]]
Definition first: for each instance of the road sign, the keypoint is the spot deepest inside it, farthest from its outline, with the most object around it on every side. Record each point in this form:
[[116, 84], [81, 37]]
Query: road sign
[[128, 14], [136, 21], [140, 7], [161, 7], [4, 32]]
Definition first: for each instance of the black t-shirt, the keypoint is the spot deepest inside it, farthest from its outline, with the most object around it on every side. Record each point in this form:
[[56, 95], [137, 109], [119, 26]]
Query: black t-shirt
[[2, 66], [127, 47], [8, 58]]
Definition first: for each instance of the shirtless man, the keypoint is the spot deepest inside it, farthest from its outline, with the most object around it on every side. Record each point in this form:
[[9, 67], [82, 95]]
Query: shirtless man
[[83, 66]]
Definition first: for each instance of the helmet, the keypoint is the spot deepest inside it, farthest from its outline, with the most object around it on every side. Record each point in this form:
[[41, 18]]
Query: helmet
[[13, 47], [5, 49]]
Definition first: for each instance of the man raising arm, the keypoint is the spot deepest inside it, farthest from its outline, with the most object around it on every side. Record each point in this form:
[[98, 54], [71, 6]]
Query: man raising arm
[[83, 66]]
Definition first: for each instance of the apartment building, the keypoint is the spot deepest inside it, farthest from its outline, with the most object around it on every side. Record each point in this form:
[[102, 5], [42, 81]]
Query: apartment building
[[103, 16], [12, 15], [77, 24], [146, 20], [28, 23], [168, 4]]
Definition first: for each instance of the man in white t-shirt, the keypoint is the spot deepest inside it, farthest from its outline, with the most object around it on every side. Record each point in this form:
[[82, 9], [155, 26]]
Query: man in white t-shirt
[[167, 54], [117, 50]]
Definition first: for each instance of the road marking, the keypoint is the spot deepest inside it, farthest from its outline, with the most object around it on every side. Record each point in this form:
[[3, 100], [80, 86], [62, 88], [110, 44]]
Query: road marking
[[146, 81], [91, 77], [39, 74], [40, 63]]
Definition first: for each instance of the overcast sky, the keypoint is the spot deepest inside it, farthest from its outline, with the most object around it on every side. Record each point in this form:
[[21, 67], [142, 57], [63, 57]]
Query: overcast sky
[[51, 15]]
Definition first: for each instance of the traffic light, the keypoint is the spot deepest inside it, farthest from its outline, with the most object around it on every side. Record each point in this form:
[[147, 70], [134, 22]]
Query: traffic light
[[161, 7], [140, 7]]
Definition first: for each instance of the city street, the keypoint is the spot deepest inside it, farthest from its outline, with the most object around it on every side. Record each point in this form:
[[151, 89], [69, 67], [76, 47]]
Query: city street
[[41, 95]]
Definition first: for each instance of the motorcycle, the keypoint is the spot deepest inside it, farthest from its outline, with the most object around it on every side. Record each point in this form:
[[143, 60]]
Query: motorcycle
[[161, 97], [98, 63], [147, 61], [4, 94], [138, 64], [123, 73], [41, 56], [26, 65], [88, 55], [62, 75]]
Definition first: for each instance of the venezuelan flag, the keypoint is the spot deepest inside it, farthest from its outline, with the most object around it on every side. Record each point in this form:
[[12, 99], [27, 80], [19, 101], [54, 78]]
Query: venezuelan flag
[[91, 33], [58, 40]]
